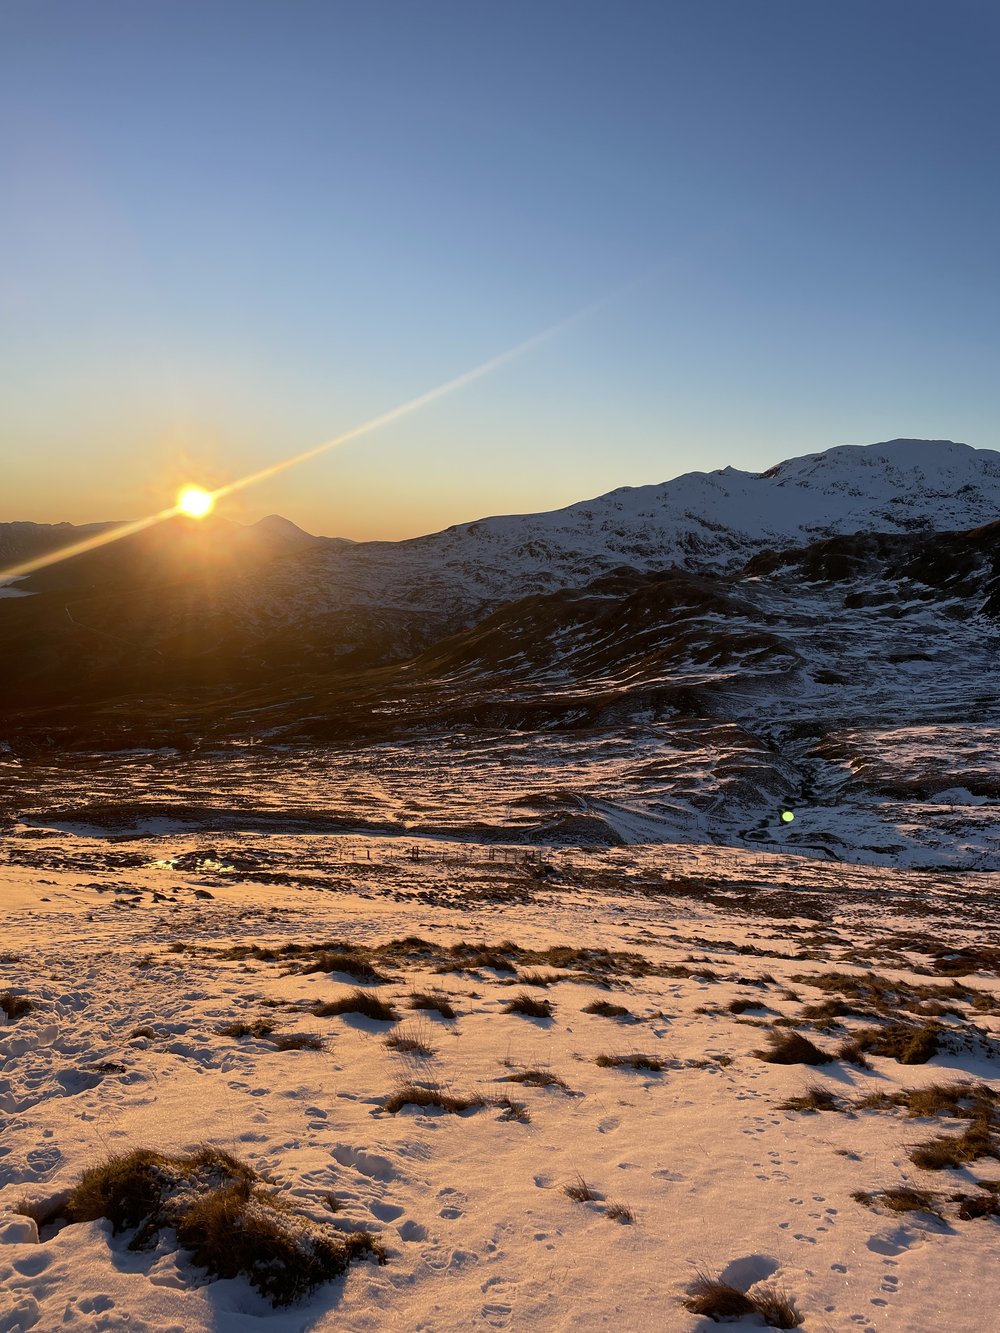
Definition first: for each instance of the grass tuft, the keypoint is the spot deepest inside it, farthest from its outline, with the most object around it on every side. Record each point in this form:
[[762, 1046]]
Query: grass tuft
[[900, 1199], [579, 1191], [351, 964], [529, 1007], [512, 1110], [776, 1307], [358, 1002], [619, 1212], [948, 1150], [964, 1101], [632, 1061], [259, 1027], [815, 1098], [411, 1040], [977, 1205], [604, 1009], [721, 1300], [298, 1041], [717, 1299], [791, 1048], [14, 1006], [430, 1095], [908, 1043], [224, 1213], [432, 1000], [535, 1078]]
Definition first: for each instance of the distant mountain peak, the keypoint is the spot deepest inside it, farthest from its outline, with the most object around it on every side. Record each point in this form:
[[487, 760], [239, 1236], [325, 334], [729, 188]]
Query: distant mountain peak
[[276, 525], [940, 459]]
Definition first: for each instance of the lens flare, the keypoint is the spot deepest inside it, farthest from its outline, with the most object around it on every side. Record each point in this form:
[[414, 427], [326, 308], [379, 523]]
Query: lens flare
[[197, 503], [787, 816], [193, 502]]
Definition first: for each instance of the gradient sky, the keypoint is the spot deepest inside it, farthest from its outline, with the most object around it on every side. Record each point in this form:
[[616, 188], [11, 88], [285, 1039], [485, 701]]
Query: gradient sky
[[232, 230]]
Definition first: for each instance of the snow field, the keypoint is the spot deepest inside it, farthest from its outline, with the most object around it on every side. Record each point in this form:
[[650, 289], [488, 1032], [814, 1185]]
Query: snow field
[[472, 1207]]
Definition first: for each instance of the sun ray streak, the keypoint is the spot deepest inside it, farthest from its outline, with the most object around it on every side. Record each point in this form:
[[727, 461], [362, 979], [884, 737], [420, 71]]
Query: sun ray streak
[[88, 544]]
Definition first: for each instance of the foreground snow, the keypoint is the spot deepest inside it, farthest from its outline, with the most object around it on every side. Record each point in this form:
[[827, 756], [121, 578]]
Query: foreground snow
[[109, 937]]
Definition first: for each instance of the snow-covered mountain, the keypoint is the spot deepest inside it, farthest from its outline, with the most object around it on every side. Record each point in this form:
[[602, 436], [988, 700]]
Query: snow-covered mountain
[[702, 521]]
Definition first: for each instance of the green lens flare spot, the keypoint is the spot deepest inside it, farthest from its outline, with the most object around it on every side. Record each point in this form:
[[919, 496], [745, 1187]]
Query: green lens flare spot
[[787, 816]]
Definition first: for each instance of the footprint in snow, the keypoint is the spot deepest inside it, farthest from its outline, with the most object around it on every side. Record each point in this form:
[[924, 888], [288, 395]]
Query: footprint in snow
[[412, 1231], [368, 1163], [452, 1199], [497, 1315]]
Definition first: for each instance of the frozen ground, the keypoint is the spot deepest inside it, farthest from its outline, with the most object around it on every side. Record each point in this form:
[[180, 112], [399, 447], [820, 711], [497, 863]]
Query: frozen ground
[[134, 952]]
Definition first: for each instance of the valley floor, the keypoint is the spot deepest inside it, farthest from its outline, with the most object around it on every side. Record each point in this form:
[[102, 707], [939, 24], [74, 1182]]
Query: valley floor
[[135, 953]]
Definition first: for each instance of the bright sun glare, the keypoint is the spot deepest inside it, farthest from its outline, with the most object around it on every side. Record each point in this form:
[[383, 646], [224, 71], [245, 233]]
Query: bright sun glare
[[194, 502]]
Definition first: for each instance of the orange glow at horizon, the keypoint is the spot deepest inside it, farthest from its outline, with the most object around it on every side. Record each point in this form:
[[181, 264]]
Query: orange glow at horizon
[[193, 502]]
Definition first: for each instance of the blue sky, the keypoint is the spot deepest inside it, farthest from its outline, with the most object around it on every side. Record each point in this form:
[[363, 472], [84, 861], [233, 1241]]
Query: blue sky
[[231, 231]]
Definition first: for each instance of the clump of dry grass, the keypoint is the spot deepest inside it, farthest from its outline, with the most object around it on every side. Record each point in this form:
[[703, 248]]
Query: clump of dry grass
[[792, 1048], [815, 1098], [776, 1307], [880, 1101], [619, 1212], [948, 1150], [358, 1002], [908, 1043], [539, 978], [711, 1296], [258, 1027], [298, 1041], [431, 1095], [529, 1007], [900, 1199], [825, 1012], [350, 964], [411, 1040], [512, 1110], [579, 1191], [630, 1061], [717, 1299], [435, 1000], [224, 1213], [679, 970], [535, 1078], [604, 1009], [971, 1206], [471, 957], [507, 956], [14, 1006], [853, 1054], [602, 962], [964, 1101]]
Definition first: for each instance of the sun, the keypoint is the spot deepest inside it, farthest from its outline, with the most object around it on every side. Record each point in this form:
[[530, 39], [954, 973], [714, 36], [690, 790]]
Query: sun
[[194, 502]]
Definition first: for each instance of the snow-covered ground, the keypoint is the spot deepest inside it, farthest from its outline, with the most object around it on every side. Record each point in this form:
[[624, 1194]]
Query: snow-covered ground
[[135, 951]]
